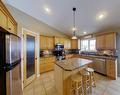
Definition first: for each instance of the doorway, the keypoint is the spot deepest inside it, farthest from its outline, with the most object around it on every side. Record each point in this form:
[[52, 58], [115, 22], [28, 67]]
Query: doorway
[[29, 57]]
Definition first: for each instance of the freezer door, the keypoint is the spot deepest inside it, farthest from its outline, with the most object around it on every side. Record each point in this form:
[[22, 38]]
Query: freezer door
[[12, 48], [13, 81]]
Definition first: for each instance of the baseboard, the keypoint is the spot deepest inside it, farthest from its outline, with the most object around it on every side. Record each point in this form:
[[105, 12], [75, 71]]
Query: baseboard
[[118, 75], [38, 75]]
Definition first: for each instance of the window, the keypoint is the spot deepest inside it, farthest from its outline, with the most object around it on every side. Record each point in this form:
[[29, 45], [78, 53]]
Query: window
[[88, 44]]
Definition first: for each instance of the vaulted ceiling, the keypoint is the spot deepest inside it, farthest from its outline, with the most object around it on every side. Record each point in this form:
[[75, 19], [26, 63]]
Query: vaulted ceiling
[[59, 14]]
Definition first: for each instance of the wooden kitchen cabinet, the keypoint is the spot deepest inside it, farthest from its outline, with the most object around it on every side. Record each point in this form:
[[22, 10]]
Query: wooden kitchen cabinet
[[46, 42], [49, 43], [3, 18], [47, 64], [12, 26], [100, 42], [64, 41], [111, 68], [67, 43], [110, 40], [6, 19], [57, 40], [74, 44], [106, 41], [42, 42]]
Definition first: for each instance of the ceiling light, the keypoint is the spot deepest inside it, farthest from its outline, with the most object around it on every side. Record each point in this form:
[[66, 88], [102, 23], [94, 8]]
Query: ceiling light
[[47, 10], [101, 15], [74, 29], [84, 32]]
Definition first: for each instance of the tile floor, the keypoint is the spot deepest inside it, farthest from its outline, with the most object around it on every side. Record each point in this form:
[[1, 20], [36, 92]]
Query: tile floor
[[44, 85]]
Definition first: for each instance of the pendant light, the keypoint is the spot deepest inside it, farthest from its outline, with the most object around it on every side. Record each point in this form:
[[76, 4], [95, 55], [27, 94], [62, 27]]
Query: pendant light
[[74, 28]]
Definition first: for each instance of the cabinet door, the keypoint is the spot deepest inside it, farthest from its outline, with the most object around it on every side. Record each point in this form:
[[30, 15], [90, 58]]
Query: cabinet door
[[3, 18], [100, 42], [111, 68], [74, 44], [110, 40], [50, 43], [57, 40], [67, 43], [42, 42], [42, 65], [61, 41], [49, 66], [11, 26]]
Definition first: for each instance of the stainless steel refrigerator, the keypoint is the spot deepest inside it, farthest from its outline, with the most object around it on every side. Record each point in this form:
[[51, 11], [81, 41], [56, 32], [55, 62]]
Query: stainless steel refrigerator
[[10, 64]]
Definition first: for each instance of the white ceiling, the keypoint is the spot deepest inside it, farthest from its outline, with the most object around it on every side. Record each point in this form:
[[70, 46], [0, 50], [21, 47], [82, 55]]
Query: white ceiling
[[61, 16]]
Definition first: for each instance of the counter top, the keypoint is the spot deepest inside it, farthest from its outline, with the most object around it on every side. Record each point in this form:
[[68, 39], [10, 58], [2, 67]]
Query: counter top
[[100, 56], [47, 56], [73, 63]]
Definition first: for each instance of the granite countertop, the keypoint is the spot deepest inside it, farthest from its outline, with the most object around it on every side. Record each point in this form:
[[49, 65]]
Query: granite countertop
[[73, 63], [47, 56], [100, 56]]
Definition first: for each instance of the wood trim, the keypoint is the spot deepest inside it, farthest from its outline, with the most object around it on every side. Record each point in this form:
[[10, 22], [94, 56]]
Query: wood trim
[[7, 12]]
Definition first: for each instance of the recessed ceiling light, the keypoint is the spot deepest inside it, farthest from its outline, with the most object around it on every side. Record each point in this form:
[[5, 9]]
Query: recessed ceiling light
[[101, 15], [47, 10], [84, 32]]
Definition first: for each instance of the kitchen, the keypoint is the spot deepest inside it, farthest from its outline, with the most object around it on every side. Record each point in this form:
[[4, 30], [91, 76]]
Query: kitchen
[[46, 52]]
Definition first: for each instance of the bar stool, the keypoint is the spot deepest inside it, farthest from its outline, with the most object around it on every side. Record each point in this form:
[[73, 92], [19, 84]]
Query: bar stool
[[86, 81], [76, 85], [92, 78]]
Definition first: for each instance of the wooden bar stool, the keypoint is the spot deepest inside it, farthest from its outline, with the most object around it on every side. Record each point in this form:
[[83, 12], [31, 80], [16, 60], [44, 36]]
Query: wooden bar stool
[[76, 85], [86, 81], [92, 77]]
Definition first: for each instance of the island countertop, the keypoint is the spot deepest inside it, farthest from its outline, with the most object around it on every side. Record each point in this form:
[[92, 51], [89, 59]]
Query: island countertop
[[73, 63]]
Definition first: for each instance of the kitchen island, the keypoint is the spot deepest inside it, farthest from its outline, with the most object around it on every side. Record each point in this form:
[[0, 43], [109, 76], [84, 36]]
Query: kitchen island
[[64, 69]]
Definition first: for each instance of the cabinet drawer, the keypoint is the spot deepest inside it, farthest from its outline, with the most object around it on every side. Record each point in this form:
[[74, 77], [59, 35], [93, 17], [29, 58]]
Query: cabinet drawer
[[49, 66], [42, 68]]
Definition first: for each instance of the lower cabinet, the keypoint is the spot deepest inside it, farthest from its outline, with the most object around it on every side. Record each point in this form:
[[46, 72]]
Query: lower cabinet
[[111, 68], [47, 64]]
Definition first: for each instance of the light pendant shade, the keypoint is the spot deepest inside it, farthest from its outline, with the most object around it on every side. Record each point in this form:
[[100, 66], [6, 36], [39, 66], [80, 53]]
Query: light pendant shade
[[74, 37], [74, 31]]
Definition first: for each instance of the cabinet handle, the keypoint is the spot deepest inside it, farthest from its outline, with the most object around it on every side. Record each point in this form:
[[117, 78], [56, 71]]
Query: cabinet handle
[[9, 28]]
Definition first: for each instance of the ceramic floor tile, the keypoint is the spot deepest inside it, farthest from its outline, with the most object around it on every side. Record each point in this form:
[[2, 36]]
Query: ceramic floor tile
[[45, 85]]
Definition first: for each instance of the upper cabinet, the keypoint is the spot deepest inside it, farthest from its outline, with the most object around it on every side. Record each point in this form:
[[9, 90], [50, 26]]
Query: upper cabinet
[[100, 42], [3, 18], [46, 42], [110, 40], [106, 41], [74, 44], [6, 19], [65, 41]]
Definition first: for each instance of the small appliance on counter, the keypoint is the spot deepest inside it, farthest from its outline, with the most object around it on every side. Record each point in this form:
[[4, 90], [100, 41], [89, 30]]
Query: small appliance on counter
[[45, 53], [10, 67], [59, 52]]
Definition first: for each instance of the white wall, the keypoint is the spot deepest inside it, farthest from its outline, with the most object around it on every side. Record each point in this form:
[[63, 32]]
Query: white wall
[[27, 22], [32, 24]]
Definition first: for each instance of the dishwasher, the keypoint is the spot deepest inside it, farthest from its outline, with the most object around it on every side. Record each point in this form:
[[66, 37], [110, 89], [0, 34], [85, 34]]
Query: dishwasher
[[100, 65]]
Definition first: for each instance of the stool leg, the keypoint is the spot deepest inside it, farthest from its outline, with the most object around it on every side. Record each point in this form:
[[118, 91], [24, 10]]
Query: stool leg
[[85, 89], [93, 79], [90, 84], [77, 92]]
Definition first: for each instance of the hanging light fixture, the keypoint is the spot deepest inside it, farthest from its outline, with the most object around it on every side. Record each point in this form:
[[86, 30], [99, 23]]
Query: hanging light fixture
[[74, 27]]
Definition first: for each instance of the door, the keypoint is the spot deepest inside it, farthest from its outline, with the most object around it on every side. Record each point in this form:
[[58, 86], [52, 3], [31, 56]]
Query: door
[[30, 57]]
